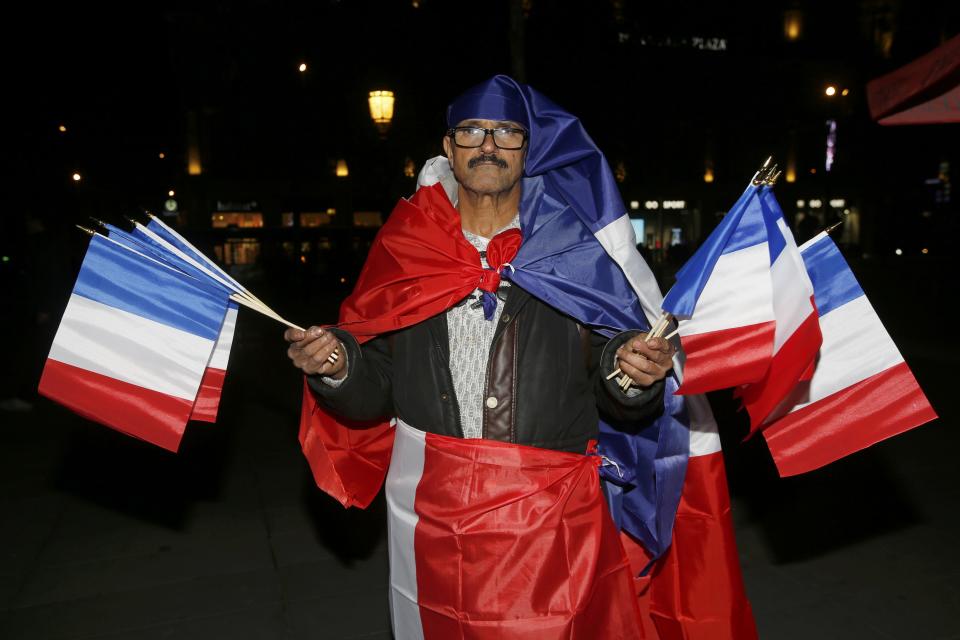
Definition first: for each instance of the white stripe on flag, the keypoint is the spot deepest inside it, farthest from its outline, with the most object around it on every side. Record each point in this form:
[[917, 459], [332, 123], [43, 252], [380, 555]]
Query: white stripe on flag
[[618, 239], [792, 289], [855, 346], [704, 438], [221, 350], [130, 348], [737, 294], [406, 469]]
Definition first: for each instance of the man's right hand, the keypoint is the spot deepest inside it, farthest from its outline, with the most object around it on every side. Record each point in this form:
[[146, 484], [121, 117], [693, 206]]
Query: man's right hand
[[311, 349]]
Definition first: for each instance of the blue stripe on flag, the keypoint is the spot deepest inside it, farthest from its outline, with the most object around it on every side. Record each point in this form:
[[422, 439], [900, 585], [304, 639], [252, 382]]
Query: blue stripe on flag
[[139, 241], [682, 298], [176, 240], [771, 214], [751, 230], [834, 284], [120, 278]]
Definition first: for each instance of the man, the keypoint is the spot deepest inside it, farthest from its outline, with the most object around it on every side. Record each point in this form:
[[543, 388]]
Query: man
[[496, 364]]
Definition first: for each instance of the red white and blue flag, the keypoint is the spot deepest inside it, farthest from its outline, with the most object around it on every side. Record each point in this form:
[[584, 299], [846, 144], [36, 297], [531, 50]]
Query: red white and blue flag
[[797, 332], [133, 344], [862, 390], [496, 540], [723, 300]]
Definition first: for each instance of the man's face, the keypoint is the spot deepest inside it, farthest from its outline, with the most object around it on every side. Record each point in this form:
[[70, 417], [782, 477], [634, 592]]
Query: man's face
[[486, 169]]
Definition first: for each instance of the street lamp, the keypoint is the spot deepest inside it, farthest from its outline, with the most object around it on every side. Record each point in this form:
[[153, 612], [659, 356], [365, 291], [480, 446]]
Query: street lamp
[[381, 109], [76, 177], [830, 91], [302, 67]]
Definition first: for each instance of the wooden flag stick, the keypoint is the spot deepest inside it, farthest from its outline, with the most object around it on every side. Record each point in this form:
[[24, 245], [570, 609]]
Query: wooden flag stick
[[251, 305]]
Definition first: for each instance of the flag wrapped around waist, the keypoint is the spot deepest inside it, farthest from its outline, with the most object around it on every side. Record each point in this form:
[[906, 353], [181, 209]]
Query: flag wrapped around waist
[[862, 390], [133, 343], [495, 540]]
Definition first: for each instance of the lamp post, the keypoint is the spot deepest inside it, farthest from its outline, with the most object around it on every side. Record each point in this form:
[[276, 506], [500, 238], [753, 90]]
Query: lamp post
[[381, 109]]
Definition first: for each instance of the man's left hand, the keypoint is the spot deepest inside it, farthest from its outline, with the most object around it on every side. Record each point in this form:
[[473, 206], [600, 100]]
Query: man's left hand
[[645, 362]]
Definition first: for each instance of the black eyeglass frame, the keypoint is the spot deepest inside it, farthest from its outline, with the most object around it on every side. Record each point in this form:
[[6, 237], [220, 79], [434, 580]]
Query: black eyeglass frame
[[452, 133]]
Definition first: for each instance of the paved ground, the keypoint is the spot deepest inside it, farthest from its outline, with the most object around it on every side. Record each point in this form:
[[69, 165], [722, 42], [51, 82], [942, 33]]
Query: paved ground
[[104, 537]]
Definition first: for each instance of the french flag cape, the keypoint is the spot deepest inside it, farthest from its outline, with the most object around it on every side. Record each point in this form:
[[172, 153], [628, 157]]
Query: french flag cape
[[861, 392], [133, 344], [745, 306]]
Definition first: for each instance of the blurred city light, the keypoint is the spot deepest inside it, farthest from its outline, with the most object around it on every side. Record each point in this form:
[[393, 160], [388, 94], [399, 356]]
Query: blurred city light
[[708, 175], [899, 252], [161, 155], [634, 204], [831, 90], [792, 24], [845, 92], [924, 251], [801, 204], [171, 193], [62, 129], [381, 109], [815, 204], [651, 204], [342, 171], [76, 177], [302, 67], [409, 168]]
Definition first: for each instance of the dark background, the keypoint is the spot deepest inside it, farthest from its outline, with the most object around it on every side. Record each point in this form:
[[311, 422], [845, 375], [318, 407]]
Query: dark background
[[106, 537]]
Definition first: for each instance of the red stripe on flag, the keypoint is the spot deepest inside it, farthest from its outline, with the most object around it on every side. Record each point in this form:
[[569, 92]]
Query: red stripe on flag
[[349, 460], [149, 415], [696, 591], [849, 420], [726, 358], [207, 404], [516, 542], [788, 366]]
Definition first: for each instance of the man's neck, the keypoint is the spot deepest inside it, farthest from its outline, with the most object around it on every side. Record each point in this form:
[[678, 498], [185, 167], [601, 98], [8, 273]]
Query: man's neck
[[485, 214]]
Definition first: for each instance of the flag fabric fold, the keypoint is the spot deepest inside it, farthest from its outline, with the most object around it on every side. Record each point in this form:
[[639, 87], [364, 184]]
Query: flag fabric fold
[[133, 343], [797, 335], [861, 391]]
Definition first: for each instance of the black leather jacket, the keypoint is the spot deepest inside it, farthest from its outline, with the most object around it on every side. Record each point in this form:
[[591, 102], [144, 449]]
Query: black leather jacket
[[545, 380]]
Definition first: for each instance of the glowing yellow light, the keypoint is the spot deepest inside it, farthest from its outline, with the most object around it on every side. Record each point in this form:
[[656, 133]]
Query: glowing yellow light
[[791, 174], [342, 280], [342, 170], [303, 259], [194, 165], [830, 90], [76, 177], [708, 175], [845, 92], [62, 129], [161, 155], [171, 193], [924, 251], [381, 109], [302, 67], [792, 24]]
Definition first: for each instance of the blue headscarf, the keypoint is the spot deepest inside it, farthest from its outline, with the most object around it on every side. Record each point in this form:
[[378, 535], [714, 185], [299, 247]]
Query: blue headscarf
[[574, 169]]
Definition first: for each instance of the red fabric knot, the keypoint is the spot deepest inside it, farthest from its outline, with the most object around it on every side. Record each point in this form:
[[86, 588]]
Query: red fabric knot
[[503, 248], [489, 281]]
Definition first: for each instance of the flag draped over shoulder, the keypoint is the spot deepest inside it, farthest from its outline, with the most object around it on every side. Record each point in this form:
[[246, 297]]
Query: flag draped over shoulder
[[133, 343], [861, 392]]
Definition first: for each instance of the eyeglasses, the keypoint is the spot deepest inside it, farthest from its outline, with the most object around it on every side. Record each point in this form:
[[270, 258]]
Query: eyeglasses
[[507, 138]]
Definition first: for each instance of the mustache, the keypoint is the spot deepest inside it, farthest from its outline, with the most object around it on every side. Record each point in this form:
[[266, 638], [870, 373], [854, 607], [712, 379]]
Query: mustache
[[488, 157]]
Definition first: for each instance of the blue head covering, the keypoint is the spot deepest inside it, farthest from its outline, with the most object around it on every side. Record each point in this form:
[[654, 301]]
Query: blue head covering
[[574, 170]]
